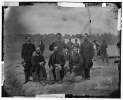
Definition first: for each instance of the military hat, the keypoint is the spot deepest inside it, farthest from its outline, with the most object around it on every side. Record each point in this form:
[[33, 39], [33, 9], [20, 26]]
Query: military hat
[[28, 37], [76, 40], [58, 34]]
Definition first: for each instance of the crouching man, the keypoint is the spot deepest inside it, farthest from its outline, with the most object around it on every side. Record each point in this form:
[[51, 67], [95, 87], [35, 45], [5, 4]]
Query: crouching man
[[75, 66], [56, 66], [38, 64]]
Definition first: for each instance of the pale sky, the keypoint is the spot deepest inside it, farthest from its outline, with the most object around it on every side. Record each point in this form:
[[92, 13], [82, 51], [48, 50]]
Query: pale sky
[[50, 18]]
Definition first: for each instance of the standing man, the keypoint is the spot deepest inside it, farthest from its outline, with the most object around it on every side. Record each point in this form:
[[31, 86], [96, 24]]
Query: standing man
[[87, 52], [56, 64], [96, 49], [61, 45], [76, 45], [104, 51], [38, 64], [70, 46], [26, 52], [42, 47]]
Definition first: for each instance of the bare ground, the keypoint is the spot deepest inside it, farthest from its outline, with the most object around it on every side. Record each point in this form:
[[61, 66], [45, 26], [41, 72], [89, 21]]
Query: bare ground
[[103, 81]]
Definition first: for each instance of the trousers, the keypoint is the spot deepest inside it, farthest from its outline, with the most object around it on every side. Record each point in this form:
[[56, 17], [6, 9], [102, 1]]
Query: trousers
[[86, 73], [56, 72], [27, 70]]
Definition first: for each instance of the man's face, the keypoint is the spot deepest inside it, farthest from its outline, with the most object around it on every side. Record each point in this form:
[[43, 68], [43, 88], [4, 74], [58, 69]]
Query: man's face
[[38, 51], [85, 38], [69, 40], [28, 39], [58, 37]]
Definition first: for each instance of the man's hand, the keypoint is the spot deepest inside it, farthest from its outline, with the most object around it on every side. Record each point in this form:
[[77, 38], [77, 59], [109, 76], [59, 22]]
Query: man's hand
[[60, 68], [41, 63], [74, 66]]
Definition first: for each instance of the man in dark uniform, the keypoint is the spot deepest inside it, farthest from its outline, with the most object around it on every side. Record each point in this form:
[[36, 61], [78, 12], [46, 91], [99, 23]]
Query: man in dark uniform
[[75, 65], [59, 43], [42, 47], [104, 51], [87, 52], [56, 64], [27, 49], [38, 63], [76, 45], [70, 45]]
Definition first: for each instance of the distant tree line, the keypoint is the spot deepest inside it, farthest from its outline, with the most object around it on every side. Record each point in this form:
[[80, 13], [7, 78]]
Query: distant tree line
[[49, 38]]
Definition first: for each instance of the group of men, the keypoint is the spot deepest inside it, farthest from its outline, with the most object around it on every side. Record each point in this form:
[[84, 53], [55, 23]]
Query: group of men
[[100, 50], [79, 62]]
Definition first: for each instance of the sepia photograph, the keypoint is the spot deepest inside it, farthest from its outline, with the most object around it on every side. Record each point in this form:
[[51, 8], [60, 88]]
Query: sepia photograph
[[55, 48]]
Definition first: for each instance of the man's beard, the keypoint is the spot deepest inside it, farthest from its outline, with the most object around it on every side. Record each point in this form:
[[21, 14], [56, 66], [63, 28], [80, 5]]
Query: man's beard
[[38, 53], [86, 39], [28, 40]]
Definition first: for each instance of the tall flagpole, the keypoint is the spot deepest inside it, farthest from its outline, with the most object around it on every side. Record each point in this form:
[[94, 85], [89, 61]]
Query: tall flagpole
[[89, 21]]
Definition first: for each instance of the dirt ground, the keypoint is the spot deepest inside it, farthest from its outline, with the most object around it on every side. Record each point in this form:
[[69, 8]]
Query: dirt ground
[[103, 80]]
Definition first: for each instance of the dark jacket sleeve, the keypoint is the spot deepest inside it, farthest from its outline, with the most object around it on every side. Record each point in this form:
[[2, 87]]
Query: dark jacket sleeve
[[97, 45], [80, 59], [106, 46], [78, 46], [22, 51], [34, 63], [80, 49], [91, 51], [50, 61], [65, 46], [43, 60], [70, 61], [34, 48], [62, 61], [43, 47]]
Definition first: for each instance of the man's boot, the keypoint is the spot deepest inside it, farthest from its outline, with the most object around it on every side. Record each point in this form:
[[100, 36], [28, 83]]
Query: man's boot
[[43, 83]]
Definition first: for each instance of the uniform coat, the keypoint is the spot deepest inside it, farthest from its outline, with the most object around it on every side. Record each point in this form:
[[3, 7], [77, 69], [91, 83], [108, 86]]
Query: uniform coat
[[26, 53], [36, 67], [87, 52], [61, 45], [76, 60]]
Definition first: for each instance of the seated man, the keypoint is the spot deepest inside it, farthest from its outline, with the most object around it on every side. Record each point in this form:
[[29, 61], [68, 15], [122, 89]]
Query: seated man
[[38, 63], [75, 65], [56, 64]]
